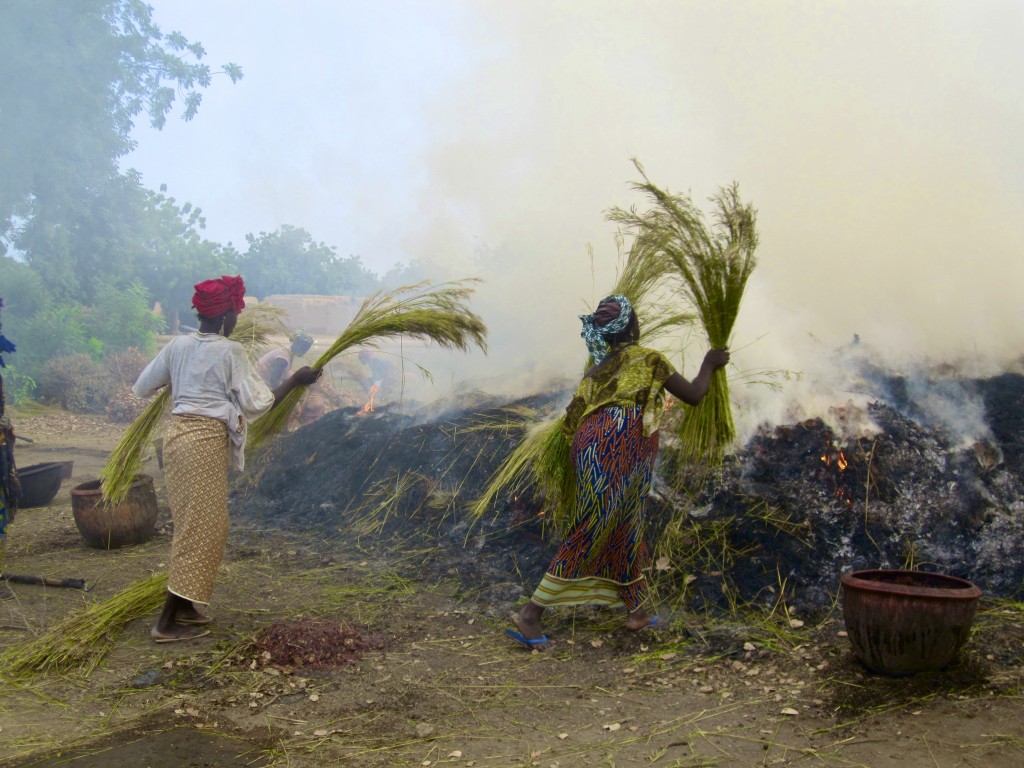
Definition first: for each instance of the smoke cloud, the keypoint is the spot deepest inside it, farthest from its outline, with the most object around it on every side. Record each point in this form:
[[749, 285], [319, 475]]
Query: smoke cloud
[[879, 142]]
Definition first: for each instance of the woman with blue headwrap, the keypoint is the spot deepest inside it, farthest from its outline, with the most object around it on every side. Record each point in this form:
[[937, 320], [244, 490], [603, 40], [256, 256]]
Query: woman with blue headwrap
[[612, 426]]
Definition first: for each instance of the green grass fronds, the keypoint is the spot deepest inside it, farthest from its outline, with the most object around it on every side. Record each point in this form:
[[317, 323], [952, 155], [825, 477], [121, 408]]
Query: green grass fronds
[[440, 314], [81, 640]]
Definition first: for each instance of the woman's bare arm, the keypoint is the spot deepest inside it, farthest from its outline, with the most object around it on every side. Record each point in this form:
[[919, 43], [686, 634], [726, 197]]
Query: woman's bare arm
[[692, 392], [304, 375]]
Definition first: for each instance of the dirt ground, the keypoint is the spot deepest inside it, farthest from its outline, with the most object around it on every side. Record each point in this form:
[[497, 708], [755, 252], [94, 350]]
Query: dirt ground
[[444, 686]]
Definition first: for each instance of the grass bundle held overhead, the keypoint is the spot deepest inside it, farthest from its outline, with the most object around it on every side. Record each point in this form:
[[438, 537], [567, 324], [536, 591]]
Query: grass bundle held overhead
[[82, 640], [439, 314], [714, 263], [253, 332], [541, 459]]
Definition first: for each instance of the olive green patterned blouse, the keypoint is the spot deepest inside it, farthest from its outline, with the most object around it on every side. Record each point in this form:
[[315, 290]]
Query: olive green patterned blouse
[[631, 375]]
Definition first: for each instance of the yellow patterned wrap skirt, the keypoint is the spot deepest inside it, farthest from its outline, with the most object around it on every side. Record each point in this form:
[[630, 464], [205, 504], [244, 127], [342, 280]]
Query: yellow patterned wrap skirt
[[197, 454]]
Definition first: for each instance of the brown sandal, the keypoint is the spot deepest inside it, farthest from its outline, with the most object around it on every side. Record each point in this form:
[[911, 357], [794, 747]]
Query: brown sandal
[[188, 634]]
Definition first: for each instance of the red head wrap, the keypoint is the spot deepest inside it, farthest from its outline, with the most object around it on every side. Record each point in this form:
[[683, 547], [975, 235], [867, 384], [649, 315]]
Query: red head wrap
[[215, 297]]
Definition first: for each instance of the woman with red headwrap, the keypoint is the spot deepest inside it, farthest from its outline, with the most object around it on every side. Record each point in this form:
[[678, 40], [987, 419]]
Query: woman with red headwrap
[[215, 395]]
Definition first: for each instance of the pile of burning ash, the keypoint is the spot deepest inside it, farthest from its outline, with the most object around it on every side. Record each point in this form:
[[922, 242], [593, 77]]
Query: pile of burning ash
[[786, 515], [393, 484], [799, 505]]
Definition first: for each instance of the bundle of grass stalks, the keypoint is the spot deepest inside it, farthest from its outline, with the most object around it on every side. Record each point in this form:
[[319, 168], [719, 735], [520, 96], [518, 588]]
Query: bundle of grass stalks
[[253, 331], [713, 264], [255, 326], [126, 459], [541, 459], [80, 641], [439, 314]]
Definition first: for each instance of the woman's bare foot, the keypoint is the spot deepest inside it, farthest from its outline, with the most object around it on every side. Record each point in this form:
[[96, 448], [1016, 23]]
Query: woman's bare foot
[[641, 619], [177, 632], [530, 630]]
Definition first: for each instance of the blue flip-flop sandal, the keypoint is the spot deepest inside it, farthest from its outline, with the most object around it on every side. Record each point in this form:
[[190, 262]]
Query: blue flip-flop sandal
[[520, 638]]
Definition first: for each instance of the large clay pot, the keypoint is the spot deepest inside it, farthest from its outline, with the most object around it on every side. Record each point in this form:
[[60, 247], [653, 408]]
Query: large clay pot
[[904, 622], [111, 526]]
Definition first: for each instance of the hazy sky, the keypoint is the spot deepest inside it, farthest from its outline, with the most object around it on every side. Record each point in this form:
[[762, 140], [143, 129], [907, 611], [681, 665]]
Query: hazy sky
[[881, 143]]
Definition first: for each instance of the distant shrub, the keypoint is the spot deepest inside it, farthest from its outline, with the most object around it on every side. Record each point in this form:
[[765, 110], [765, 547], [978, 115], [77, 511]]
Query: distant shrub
[[125, 366], [74, 382], [19, 387], [121, 319], [81, 384], [124, 405]]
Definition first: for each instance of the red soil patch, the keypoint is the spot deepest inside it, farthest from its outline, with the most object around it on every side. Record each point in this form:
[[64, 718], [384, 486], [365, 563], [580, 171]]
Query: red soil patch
[[312, 644]]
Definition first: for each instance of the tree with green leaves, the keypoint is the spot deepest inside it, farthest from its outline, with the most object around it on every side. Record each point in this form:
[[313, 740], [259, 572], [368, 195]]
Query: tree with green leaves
[[288, 260], [173, 256], [75, 76]]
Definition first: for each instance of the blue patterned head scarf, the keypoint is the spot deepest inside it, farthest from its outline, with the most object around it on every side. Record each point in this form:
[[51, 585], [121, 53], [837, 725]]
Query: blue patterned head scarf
[[595, 336]]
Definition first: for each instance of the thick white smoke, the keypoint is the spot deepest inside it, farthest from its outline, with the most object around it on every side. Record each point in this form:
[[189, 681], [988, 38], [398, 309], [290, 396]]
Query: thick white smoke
[[878, 140]]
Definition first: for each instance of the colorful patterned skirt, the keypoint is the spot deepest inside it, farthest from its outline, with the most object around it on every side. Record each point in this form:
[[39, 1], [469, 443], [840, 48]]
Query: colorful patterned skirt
[[602, 559], [197, 455]]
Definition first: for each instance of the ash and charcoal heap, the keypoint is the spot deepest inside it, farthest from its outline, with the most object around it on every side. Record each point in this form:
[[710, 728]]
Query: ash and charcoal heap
[[394, 484], [793, 509]]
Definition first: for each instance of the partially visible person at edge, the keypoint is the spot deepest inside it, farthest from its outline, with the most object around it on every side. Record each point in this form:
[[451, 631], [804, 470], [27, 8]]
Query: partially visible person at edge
[[276, 365], [215, 395], [612, 425], [10, 488]]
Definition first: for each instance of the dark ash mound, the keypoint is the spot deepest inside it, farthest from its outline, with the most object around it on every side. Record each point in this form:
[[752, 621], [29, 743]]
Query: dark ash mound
[[386, 483], [788, 513]]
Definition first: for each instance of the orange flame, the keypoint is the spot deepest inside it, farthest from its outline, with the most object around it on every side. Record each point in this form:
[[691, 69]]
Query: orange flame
[[368, 408], [830, 454]]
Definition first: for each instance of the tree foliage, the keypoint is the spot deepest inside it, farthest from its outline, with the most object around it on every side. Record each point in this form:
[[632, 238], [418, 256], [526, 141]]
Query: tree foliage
[[85, 248], [75, 77], [173, 256], [288, 260]]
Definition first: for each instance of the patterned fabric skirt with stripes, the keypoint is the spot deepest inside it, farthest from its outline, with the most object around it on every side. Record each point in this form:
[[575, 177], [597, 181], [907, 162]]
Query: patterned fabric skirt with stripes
[[196, 459], [603, 557]]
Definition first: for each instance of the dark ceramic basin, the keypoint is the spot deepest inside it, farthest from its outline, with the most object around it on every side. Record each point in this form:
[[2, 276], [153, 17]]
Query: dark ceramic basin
[[40, 482]]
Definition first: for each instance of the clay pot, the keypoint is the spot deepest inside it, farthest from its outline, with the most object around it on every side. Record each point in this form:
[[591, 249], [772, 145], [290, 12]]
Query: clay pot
[[904, 622], [103, 526]]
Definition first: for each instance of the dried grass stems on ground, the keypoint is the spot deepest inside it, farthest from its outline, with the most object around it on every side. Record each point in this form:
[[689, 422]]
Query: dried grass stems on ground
[[749, 689], [80, 641], [713, 263], [435, 313], [253, 331], [447, 689]]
